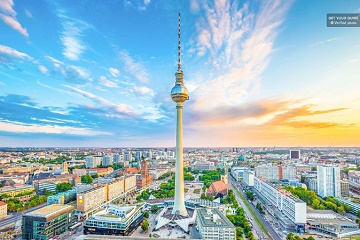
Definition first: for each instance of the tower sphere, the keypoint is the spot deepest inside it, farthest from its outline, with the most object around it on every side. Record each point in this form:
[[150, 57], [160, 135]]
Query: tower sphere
[[179, 93]]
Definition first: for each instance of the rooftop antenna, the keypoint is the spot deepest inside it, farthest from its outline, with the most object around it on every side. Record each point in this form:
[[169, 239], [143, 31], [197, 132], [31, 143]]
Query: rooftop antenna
[[179, 47]]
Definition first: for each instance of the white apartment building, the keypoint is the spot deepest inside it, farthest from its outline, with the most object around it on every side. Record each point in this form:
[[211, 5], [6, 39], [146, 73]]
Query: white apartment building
[[203, 166], [291, 207], [89, 162], [248, 178], [106, 161], [213, 225], [274, 173], [328, 181]]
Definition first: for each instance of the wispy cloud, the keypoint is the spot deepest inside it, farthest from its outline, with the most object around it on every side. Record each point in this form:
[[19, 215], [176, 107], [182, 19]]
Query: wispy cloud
[[70, 73], [120, 109], [43, 69], [240, 41], [324, 42], [107, 83], [114, 72], [144, 90], [5, 50], [136, 69], [71, 37], [138, 5], [18, 127], [8, 15], [28, 13]]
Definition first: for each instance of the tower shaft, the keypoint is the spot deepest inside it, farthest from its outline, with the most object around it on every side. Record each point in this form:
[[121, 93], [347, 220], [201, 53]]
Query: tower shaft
[[179, 201]]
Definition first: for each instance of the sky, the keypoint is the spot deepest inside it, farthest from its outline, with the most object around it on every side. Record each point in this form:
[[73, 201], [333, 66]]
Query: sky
[[99, 73]]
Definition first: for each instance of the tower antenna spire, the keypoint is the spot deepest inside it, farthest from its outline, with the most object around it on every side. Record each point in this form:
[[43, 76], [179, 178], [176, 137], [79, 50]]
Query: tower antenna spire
[[179, 47]]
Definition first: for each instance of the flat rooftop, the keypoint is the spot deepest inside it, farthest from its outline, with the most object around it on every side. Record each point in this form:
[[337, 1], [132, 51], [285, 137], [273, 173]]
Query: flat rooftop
[[213, 218], [51, 211]]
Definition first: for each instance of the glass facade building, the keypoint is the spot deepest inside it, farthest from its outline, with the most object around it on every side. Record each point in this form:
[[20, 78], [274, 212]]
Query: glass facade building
[[47, 222]]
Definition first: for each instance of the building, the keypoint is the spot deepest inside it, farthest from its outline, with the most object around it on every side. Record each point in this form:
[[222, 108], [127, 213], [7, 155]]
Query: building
[[344, 189], [3, 209], [114, 220], [92, 198], [218, 189], [88, 200], [290, 210], [116, 158], [238, 172], [16, 189], [355, 207], [89, 162], [40, 186], [116, 188], [100, 171], [248, 178], [328, 181], [63, 197], [294, 154], [213, 225], [275, 173], [46, 222], [65, 167], [106, 161], [145, 178], [201, 166], [312, 184], [329, 222]]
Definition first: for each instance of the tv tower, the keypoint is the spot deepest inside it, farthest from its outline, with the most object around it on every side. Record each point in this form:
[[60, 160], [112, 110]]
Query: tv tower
[[179, 94]]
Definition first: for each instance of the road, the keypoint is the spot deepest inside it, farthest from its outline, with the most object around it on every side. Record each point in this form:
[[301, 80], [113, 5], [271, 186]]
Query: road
[[17, 216], [271, 232]]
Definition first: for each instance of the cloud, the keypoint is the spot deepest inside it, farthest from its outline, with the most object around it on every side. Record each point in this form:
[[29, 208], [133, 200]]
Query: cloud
[[18, 127], [71, 37], [240, 40], [144, 90], [324, 42], [138, 5], [43, 69], [70, 73], [107, 83], [8, 15], [28, 13], [5, 50], [114, 72], [120, 109], [136, 69], [289, 117]]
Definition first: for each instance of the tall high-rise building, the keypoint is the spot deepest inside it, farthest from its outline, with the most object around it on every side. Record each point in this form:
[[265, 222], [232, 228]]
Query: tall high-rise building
[[116, 158], [328, 181], [89, 162], [106, 161], [179, 94], [65, 167], [294, 154]]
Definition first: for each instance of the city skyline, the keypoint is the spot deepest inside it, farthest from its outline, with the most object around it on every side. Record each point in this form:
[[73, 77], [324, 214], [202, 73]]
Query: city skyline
[[99, 74]]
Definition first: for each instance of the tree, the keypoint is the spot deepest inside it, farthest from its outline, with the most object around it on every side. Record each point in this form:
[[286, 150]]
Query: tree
[[146, 214], [87, 179], [154, 208], [95, 175], [358, 213], [145, 225], [63, 187], [290, 236], [250, 195]]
